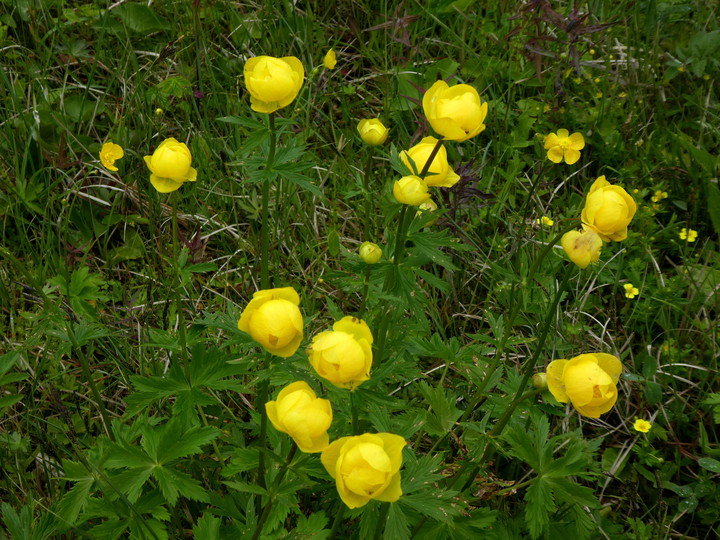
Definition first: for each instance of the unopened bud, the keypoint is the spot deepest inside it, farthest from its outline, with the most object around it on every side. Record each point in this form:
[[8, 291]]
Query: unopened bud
[[539, 381], [370, 253]]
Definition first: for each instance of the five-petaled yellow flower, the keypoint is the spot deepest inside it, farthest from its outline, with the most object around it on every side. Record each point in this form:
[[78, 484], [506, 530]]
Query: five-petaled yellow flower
[[302, 415], [170, 166], [273, 319], [330, 59], [659, 196], [588, 381], [273, 83], [631, 291], [546, 221], [365, 467], [109, 153], [689, 235], [564, 146], [643, 426]]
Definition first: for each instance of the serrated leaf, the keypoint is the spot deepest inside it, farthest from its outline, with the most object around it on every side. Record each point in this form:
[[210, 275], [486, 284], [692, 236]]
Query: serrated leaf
[[397, 527], [189, 443], [572, 493], [443, 414], [312, 527], [244, 487], [207, 528], [74, 501], [173, 483], [540, 504], [131, 481]]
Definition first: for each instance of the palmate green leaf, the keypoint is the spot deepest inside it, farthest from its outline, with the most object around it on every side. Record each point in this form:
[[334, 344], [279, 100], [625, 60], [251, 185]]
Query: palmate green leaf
[[74, 501], [442, 414], [294, 172], [173, 483], [521, 446], [312, 527], [540, 504], [207, 528], [397, 526], [131, 481]]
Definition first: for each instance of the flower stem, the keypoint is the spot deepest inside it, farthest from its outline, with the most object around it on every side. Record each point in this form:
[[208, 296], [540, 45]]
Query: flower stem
[[368, 200], [366, 289], [264, 246], [177, 289], [271, 498], [338, 520], [354, 414]]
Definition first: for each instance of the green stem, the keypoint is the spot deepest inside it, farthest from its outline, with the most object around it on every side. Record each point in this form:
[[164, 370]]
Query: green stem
[[382, 519], [88, 376], [177, 289], [271, 500], [369, 221], [354, 414], [260, 407], [338, 520], [366, 289], [264, 233]]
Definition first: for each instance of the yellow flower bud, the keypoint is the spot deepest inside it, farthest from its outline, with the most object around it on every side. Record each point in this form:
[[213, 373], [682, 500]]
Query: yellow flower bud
[[273, 319], [455, 112], [330, 59], [343, 356], [564, 146], [170, 166], [439, 174], [372, 132], [365, 467], [411, 190], [109, 153], [302, 415], [428, 206], [273, 83], [588, 381], [370, 253], [608, 210], [539, 381], [583, 248]]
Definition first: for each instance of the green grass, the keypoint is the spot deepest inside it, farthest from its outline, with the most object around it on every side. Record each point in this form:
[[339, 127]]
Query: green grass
[[89, 295]]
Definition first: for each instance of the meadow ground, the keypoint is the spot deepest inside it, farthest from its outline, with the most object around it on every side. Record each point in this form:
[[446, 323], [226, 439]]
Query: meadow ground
[[539, 353]]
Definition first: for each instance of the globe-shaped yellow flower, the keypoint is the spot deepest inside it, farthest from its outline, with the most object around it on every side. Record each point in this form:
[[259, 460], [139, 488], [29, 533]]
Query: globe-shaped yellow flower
[[330, 59], [273, 319], [439, 174], [109, 153], [365, 467], [302, 415], [583, 247], [588, 381], [343, 356], [170, 166], [273, 83], [564, 146], [372, 131], [411, 190], [370, 252], [455, 112], [608, 210]]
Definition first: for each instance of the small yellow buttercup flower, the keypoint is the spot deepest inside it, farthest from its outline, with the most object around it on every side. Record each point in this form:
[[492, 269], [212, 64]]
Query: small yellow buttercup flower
[[546, 221], [109, 153], [689, 235], [273, 83], [365, 467], [370, 252], [273, 319], [583, 247], [588, 381], [411, 190], [643, 426], [564, 146], [659, 196], [372, 131], [330, 59], [631, 291], [343, 355], [455, 112], [608, 211], [302, 415], [439, 174], [159, 112], [170, 166]]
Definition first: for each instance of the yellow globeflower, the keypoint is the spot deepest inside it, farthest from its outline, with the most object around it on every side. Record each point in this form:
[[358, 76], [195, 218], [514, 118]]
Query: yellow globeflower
[[109, 153], [583, 248], [608, 210], [588, 381], [370, 252], [302, 415], [365, 467], [343, 356], [273, 83], [372, 131], [439, 174], [455, 112], [330, 59], [411, 190], [564, 146], [170, 166], [643, 426], [273, 319]]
